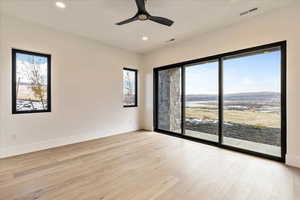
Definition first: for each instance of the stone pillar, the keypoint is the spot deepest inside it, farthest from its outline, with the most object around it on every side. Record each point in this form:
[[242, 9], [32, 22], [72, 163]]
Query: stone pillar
[[169, 100]]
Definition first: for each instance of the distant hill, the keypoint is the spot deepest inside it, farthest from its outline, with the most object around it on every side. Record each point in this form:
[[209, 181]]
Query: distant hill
[[249, 96]]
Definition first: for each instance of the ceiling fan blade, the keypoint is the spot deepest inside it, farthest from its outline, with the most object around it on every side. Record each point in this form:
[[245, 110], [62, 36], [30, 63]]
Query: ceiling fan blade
[[161, 20], [141, 5], [127, 21]]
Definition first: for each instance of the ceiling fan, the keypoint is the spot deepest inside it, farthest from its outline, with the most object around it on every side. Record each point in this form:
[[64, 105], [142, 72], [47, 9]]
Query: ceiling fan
[[143, 15]]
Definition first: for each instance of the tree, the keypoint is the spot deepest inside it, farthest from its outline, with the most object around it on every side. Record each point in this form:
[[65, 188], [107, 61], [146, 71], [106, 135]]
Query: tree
[[37, 85]]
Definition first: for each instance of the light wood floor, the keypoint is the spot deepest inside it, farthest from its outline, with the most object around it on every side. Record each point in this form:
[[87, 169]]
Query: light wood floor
[[144, 166]]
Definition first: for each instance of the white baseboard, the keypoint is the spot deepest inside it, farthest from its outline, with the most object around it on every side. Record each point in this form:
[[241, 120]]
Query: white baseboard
[[28, 148], [293, 160]]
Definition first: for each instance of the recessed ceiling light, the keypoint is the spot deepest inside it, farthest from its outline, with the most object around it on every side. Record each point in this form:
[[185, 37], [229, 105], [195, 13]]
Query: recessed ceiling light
[[60, 4], [145, 38]]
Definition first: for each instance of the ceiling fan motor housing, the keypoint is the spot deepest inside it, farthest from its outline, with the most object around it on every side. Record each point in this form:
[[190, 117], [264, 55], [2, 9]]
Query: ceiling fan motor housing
[[142, 17]]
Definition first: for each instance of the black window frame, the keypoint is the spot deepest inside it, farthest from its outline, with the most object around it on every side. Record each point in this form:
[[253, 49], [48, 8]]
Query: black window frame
[[14, 68], [136, 87], [220, 57]]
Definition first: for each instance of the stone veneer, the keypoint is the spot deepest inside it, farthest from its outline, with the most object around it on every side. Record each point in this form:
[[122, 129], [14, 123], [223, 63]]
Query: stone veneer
[[169, 100]]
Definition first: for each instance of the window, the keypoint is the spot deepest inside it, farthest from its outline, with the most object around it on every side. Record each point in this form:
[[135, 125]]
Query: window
[[129, 87], [201, 100], [234, 100], [31, 82], [252, 101]]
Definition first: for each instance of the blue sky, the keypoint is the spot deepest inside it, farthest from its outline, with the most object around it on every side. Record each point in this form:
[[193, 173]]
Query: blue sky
[[255, 73], [28, 58]]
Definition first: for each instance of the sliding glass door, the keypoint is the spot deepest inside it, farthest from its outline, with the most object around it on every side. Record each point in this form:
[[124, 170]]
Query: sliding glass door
[[234, 100], [202, 100], [252, 101]]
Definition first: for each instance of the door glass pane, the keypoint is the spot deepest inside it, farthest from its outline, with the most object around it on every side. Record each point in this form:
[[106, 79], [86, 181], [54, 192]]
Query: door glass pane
[[169, 100], [201, 101], [252, 107]]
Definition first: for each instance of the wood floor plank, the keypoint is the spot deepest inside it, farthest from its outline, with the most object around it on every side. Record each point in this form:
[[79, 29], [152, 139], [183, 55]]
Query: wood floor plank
[[144, 166]]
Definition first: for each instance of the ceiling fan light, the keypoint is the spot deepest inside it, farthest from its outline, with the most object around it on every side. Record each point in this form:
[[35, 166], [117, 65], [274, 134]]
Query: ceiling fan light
[[143, 17]]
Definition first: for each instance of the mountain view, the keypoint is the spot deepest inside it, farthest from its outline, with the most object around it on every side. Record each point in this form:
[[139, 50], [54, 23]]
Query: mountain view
[[249, 96]]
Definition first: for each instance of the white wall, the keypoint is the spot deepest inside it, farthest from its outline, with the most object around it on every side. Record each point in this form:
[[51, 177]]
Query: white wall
[[86, 90], [276, 26]]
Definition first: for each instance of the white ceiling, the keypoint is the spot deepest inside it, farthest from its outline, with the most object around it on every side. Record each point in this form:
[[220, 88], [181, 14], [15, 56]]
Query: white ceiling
[[96, 18]]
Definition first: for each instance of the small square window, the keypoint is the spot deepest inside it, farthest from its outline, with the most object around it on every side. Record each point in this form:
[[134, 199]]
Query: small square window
[[130, 87]]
